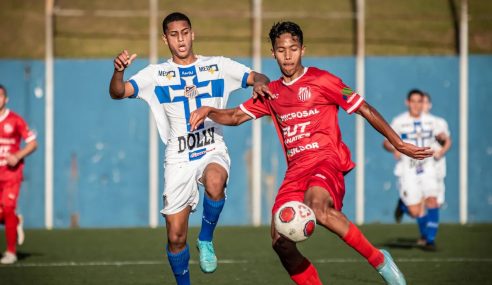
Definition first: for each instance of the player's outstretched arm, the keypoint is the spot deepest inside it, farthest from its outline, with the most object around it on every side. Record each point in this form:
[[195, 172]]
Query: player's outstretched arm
[[118, 89], [259, 82], [228, 117], [379, 123]]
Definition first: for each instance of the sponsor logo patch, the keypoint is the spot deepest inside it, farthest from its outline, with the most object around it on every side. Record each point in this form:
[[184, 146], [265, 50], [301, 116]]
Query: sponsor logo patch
[[210, 68], [168, 74]]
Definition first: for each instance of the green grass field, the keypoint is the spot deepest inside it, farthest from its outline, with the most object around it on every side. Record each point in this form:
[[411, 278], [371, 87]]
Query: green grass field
[[136, 256]]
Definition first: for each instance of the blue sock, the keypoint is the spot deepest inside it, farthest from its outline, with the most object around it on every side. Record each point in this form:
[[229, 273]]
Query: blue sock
[[211, 213], [422, 222], [403, 207], [432, 224], [179, 264]]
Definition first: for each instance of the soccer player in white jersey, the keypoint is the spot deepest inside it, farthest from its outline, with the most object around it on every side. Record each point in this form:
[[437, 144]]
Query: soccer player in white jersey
[[419, 180], [442, 147], [173, 89]]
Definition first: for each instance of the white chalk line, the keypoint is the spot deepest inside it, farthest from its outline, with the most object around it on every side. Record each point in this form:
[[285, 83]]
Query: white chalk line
[[234, 261]]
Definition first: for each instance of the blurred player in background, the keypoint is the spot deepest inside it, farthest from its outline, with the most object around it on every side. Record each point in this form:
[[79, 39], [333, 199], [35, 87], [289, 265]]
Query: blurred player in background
[[306, 120], [13, 129], [421, 183], [173, 89]]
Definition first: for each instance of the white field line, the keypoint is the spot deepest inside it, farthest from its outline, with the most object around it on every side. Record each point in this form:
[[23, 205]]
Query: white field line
[[112, 263], [234, 261], [408, 260]]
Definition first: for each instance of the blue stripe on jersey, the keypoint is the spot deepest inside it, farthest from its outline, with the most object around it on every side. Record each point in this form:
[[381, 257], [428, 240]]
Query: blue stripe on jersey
[[244, 82], [135, 87], [176, 93]]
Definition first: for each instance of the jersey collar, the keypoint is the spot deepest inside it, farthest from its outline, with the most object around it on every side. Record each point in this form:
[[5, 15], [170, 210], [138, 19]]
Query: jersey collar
[[297, 79], [2, 117], [198, 58]]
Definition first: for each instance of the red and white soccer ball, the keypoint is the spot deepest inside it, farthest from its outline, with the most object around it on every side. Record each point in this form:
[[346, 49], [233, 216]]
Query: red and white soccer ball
[[295, 221]]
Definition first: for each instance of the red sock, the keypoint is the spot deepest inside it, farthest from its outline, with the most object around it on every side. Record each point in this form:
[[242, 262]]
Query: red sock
[[307, 277], [11, 221], [357, 241]]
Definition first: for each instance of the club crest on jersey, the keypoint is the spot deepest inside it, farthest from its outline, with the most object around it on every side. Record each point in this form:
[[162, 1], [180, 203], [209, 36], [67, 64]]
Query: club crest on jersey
[[304, 94], [190, 91], [8, 128]]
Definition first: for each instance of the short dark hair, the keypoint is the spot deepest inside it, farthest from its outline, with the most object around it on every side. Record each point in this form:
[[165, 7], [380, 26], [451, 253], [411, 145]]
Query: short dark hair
[[4, 89], [285, 27], [428, 96], [173, 17], [414, 91]]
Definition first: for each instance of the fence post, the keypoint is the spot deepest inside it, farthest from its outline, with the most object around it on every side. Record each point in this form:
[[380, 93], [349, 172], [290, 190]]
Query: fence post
[[256, 129], [49, 116], [359, 121], [464, 112], [153, 137]]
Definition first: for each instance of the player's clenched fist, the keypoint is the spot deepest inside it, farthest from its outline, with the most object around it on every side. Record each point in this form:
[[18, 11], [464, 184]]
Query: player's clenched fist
[[123, 60]]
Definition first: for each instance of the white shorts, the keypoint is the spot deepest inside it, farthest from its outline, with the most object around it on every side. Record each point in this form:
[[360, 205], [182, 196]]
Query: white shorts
[[441, 191], [415, 188], [181, 181]]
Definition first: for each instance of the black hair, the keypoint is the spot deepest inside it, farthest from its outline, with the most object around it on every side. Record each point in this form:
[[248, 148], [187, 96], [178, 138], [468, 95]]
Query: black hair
[[415, 91], [428, 96], [173, 17], [285, 27], [4, 89]]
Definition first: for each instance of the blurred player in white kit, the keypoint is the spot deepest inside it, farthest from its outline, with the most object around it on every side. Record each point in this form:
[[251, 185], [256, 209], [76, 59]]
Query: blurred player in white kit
[[421, 183]]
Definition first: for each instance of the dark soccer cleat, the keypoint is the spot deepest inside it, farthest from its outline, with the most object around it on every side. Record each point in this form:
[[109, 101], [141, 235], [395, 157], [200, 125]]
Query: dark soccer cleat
[[430, 246], [398, 211]]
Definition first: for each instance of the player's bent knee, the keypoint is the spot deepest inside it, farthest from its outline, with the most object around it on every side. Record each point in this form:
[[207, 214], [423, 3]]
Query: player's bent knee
[[431, 202], [214, 185], [414, 213], [177, 238]]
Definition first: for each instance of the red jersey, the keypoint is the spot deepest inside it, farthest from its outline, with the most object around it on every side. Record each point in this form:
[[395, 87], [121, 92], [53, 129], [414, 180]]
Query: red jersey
[[306, 117], [12, 129]]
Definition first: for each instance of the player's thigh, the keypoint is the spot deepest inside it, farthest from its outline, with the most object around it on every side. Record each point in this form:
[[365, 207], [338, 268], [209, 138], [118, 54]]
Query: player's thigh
[[9, 193], [320, 200], [214, 178], [180, 188], [214, 172]]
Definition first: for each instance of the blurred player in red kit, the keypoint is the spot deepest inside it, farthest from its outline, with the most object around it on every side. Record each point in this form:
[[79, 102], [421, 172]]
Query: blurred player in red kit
[[304, 106], [13, 129]]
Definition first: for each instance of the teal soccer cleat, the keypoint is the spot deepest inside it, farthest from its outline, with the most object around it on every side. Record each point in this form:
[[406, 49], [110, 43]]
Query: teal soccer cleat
[[208, 260], [389, 271]]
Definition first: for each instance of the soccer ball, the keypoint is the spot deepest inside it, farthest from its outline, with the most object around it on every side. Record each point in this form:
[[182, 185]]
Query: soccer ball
[[295, 221]]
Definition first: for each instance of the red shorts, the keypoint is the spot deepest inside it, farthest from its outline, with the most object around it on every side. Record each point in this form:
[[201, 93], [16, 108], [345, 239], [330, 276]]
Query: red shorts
[[298, 181], [9, 192]]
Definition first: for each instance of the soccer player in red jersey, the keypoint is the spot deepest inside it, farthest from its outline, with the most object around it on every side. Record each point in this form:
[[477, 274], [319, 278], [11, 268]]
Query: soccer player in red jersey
[[304, 106], [13, 129]]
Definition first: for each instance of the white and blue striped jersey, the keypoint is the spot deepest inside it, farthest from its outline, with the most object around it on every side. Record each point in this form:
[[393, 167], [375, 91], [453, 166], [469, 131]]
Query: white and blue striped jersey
[[174, 91], [421, 132]]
